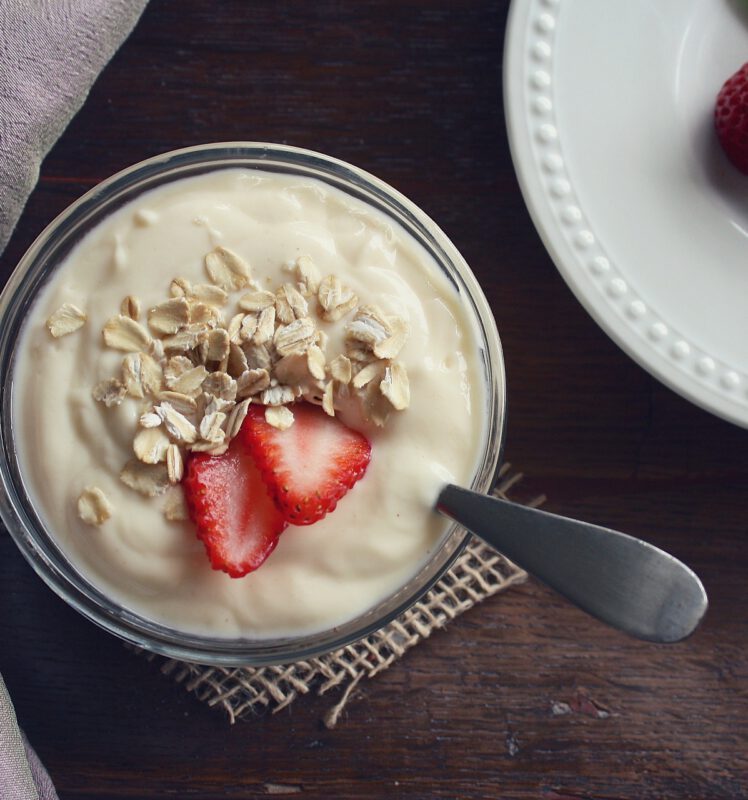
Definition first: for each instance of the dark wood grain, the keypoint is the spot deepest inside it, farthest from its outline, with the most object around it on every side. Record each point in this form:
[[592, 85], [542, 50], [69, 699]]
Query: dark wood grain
[[524, 697]]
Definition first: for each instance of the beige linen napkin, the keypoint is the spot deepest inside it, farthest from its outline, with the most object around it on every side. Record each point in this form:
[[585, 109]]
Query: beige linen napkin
[[51, 52]]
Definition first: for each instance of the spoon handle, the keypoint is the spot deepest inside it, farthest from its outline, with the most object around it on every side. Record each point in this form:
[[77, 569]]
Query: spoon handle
[[623, 581]]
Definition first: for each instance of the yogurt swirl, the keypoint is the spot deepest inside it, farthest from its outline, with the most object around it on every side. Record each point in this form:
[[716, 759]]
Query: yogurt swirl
[[382, 531]]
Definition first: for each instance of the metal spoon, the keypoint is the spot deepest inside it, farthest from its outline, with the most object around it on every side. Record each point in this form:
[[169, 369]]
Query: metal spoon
[[623, 581]]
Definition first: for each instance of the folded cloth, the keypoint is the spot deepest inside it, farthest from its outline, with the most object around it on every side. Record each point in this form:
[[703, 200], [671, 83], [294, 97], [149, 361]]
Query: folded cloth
[[51, 52], [22, 776]]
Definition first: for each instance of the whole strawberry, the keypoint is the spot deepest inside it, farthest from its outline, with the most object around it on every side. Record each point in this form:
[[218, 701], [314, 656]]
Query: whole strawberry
[[731, 118]]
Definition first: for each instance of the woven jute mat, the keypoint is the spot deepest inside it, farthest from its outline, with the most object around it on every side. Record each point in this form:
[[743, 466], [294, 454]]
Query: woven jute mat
[[479, 572]]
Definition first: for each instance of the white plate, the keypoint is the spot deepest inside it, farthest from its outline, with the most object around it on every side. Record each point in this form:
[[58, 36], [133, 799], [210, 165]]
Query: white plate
[[609, 111]]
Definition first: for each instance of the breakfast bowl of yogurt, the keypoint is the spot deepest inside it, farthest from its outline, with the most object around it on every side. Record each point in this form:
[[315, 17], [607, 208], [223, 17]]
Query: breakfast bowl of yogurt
[[237, 377]]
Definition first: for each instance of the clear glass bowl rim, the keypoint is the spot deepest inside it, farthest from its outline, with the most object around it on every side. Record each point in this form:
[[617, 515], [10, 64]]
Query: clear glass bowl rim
[[42, 258]]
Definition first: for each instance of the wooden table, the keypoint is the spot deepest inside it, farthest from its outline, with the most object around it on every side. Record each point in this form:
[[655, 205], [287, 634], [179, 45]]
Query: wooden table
[[411, 91]]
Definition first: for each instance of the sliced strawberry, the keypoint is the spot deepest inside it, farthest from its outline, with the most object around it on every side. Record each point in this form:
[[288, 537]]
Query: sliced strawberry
[[235, 517], [309, 466]]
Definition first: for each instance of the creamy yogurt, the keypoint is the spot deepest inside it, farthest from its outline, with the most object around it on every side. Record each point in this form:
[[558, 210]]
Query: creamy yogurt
[[320, 575]]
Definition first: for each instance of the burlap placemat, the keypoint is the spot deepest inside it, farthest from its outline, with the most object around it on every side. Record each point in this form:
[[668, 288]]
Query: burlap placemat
[[478, 573]]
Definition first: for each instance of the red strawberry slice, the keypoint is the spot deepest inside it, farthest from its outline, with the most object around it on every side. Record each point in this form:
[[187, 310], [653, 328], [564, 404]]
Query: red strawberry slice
[[235, 517], [309, 466]]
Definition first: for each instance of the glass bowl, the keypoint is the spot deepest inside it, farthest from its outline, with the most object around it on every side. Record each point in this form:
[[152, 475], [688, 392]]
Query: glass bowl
[[38, 544]]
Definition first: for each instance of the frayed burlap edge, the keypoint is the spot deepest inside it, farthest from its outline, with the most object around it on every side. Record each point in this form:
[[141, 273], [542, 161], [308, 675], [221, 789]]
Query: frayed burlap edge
[[478, 573]]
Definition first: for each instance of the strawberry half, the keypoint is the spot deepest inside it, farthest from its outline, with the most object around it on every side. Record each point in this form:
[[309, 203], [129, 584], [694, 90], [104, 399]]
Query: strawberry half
[[309, 466], [235, 517]]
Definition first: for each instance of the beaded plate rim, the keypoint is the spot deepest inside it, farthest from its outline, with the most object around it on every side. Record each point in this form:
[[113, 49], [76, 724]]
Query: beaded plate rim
[[537, 148]]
